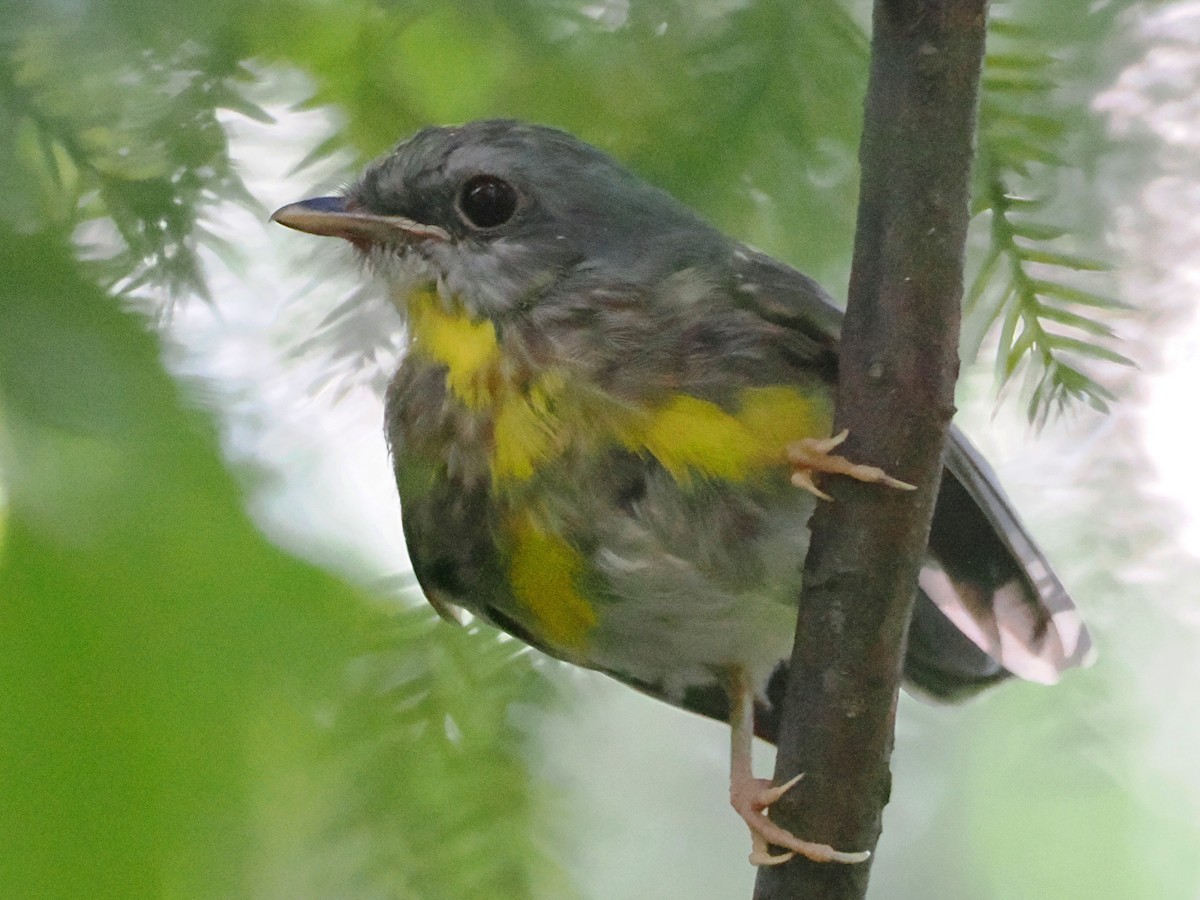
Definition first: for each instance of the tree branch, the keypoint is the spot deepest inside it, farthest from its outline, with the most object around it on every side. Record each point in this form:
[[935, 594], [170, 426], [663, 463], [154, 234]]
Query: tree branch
[[899, 361]]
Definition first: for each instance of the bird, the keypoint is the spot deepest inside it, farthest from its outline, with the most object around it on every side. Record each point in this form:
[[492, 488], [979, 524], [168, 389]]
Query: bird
[[606, 431]]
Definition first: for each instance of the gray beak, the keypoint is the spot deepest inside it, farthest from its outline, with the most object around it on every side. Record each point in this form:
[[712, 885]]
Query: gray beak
[[328, 216]]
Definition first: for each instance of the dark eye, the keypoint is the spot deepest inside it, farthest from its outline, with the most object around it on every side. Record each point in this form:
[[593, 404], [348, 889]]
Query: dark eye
[[487, 201]]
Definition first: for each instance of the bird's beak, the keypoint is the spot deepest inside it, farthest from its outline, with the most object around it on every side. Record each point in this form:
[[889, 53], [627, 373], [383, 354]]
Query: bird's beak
[[329, 216]]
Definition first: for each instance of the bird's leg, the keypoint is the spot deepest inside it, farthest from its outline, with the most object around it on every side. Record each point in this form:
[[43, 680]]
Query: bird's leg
[[811, 455], [751, 796]]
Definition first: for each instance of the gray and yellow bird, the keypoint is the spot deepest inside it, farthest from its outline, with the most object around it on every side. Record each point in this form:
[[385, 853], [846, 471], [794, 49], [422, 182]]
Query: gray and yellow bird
[[605, 431]]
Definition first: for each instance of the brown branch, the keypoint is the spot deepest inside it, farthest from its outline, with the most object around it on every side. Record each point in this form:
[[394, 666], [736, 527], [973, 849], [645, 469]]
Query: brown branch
[[899, 361]]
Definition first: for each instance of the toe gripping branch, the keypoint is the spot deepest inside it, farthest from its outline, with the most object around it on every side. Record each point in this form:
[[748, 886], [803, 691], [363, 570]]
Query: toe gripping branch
[[811, 455], [752, 797]]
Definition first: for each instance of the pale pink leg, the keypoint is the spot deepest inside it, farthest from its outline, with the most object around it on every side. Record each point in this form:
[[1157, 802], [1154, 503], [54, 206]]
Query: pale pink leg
[[751, 796]]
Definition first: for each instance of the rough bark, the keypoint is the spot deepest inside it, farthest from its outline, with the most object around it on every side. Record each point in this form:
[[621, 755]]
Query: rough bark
[[899, 361]]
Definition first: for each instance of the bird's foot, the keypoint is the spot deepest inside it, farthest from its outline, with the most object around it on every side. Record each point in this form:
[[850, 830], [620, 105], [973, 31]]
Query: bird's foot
[[751, 797], [811, 455]]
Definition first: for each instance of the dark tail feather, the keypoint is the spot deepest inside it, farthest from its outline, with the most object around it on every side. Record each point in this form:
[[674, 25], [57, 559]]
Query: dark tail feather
[[995, 606], [942, 662]]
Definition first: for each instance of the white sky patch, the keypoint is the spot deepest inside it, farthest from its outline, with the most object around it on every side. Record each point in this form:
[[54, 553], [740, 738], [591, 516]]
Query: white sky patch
[[1173, 432], [1156, 98], [1155, 101]]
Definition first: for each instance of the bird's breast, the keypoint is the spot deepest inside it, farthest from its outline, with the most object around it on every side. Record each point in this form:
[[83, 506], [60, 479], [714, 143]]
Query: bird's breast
[[517, 415], [531, 466]]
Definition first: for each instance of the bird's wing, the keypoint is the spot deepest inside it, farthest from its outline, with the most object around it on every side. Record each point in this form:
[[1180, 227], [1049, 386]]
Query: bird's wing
[[790, 299], [990, 604]]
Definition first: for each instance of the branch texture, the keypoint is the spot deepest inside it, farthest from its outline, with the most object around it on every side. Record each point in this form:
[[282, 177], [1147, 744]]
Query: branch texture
[[899, 361]]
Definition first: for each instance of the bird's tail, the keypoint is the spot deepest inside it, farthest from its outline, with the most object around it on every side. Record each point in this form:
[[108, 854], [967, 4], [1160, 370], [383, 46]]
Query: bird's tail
[[990, 604]]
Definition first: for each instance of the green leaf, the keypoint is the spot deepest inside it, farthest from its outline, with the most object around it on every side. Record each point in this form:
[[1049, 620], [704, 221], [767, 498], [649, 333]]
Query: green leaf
[[149, 627], [1075, 320], [1014, 61], [1017, 82], [983, 277], [1084, 348], [321, 151], [1065, 260], [1003, 26], [1007, 332], [1021, 346], [1075, 295], [1036, 231], [225, 96], [1023, 203], [1080, 384]]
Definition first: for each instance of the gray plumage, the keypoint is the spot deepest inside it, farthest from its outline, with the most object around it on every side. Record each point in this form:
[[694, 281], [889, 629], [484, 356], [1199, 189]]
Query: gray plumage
[[633, 299]]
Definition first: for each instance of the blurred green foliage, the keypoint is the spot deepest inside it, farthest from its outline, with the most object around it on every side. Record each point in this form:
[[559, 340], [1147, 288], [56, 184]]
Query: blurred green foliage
[[189, 711], [146, 625], [1050, 317]]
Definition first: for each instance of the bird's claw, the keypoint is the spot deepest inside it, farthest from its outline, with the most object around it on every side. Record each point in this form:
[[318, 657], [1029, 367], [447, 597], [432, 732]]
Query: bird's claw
[[812, 455], [751, 799]]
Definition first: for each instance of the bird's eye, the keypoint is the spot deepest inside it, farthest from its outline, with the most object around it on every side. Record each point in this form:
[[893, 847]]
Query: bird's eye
[[486, 201]]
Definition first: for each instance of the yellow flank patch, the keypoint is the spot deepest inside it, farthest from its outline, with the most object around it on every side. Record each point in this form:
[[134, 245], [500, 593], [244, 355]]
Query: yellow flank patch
[[544, 572], [468, 348], [690, 435], [778, 415]]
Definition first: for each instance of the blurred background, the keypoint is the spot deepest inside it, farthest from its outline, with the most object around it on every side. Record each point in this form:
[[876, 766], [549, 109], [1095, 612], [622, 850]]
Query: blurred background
[[217, 677]]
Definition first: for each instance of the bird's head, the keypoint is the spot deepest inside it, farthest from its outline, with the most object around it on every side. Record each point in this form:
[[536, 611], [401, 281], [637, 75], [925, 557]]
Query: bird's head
[[496, 212]]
